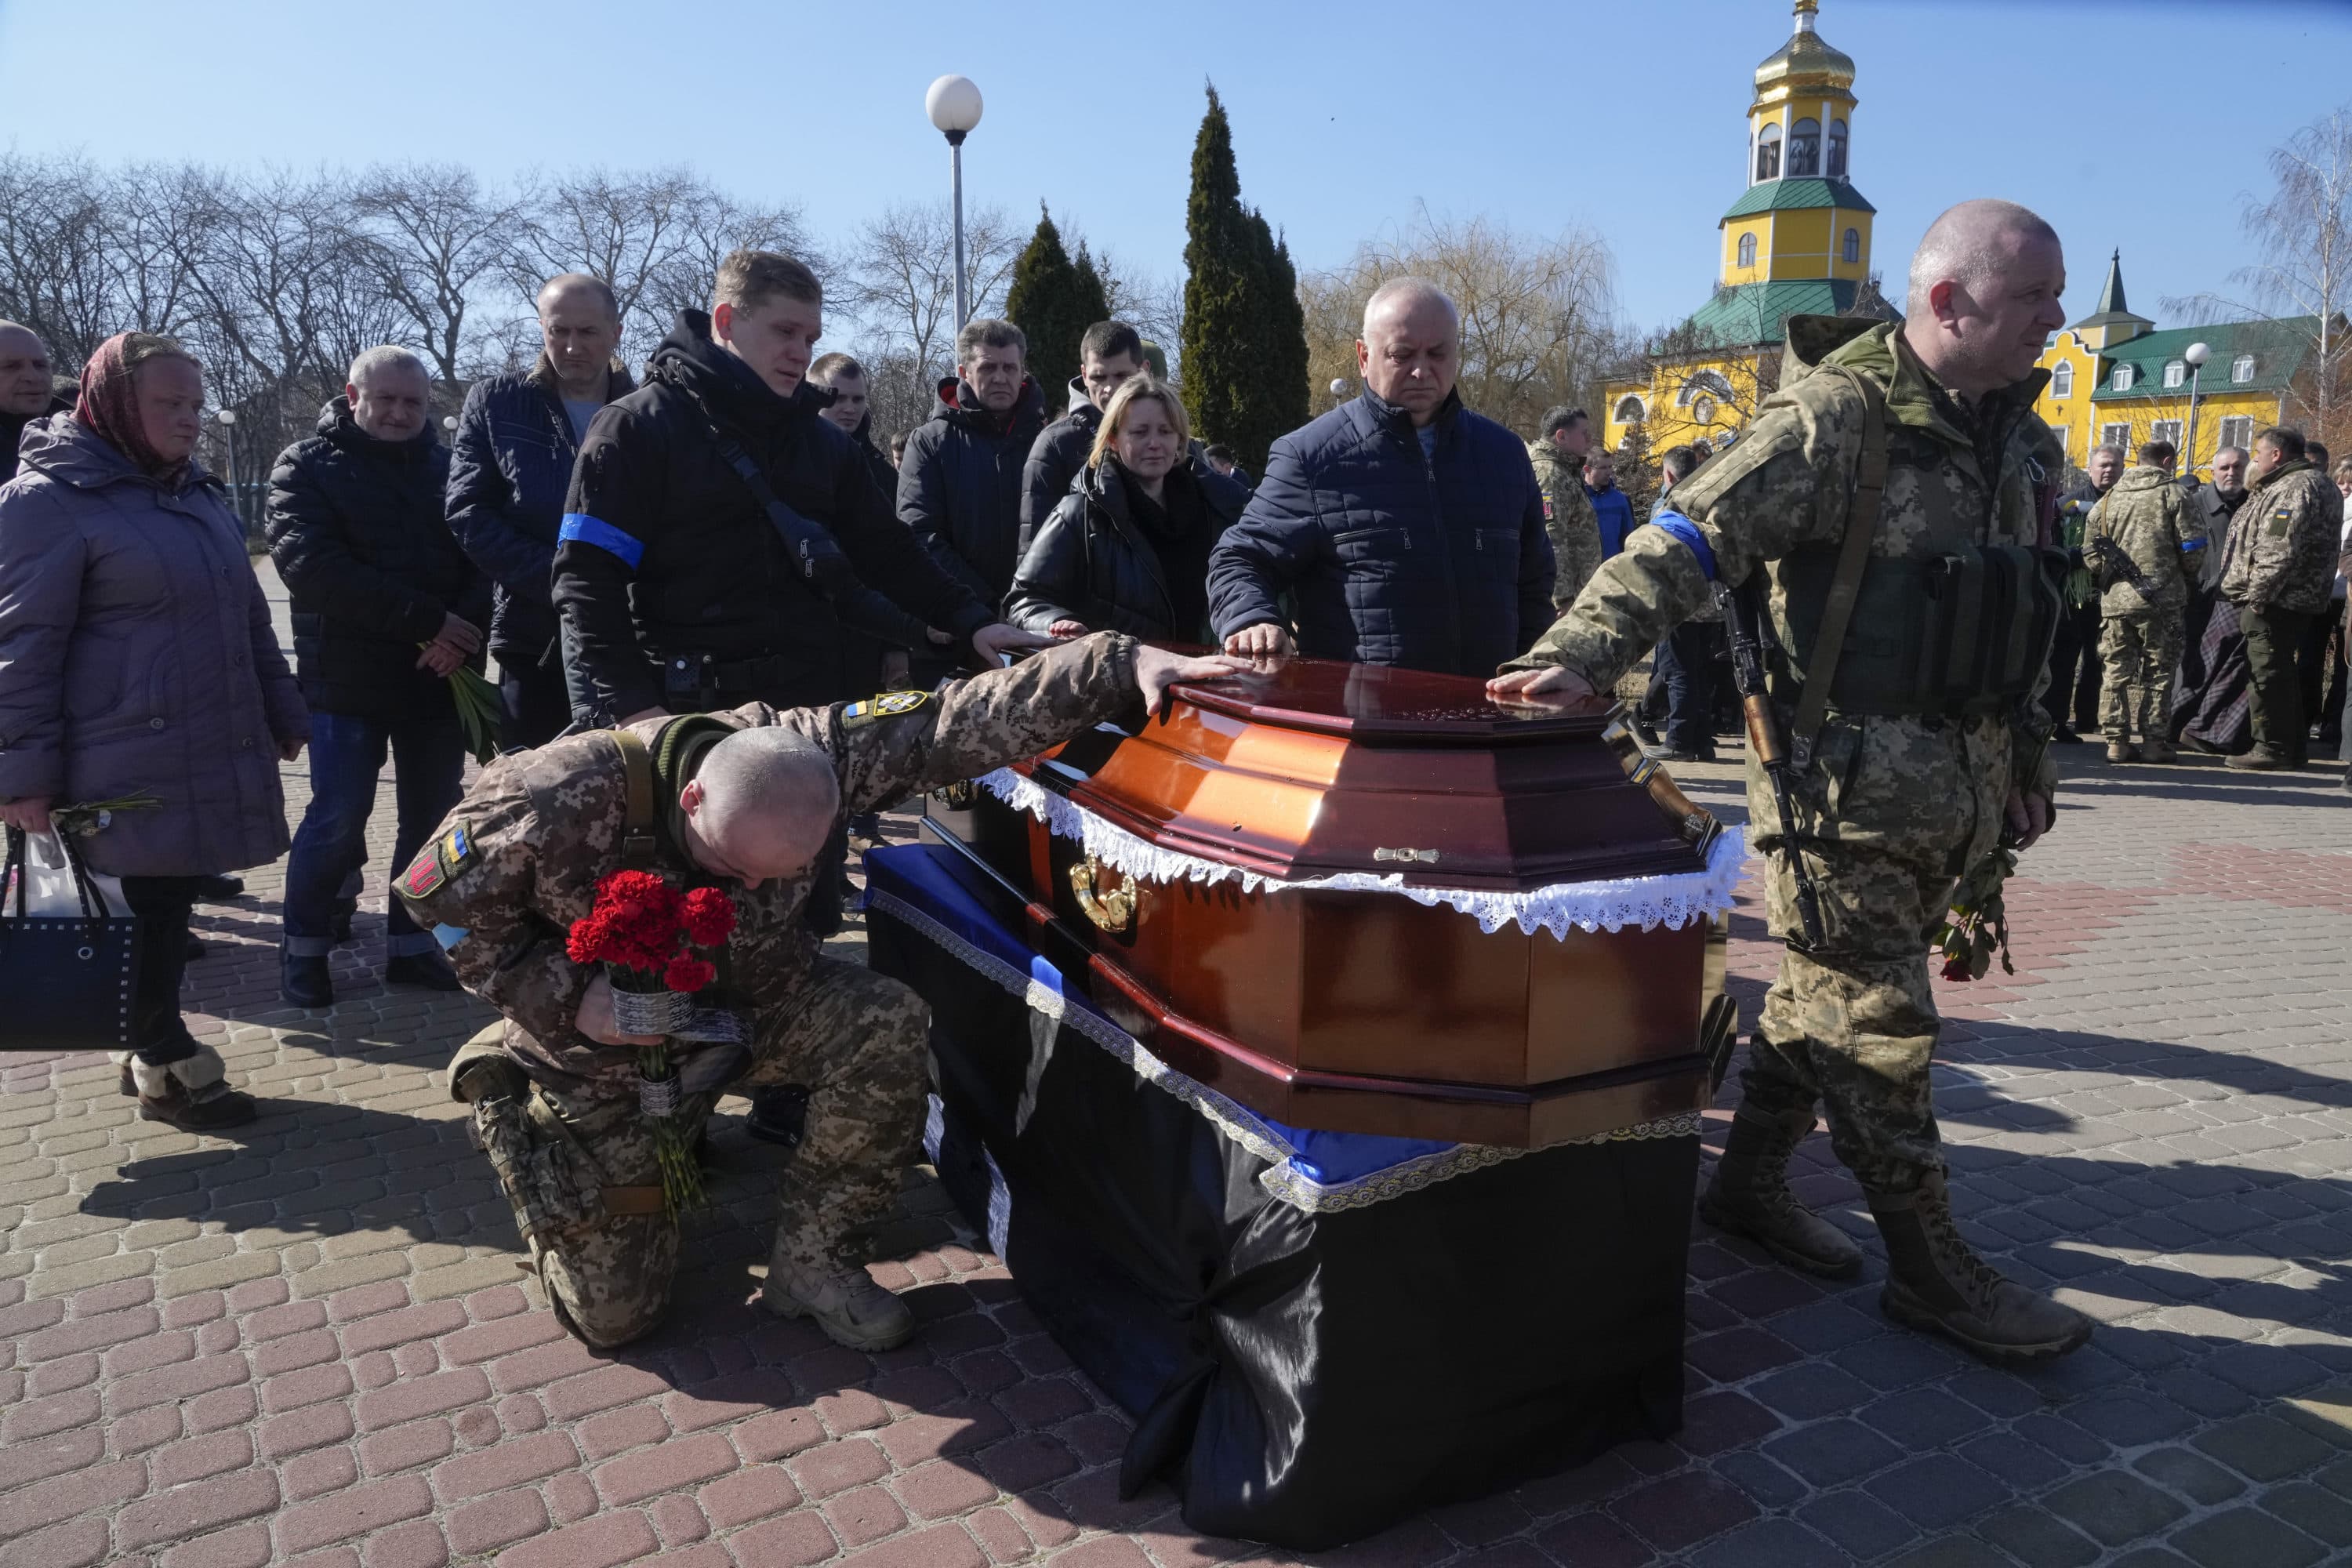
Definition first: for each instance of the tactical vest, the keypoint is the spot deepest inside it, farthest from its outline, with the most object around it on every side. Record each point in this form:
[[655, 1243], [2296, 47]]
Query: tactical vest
[[1964, 629]]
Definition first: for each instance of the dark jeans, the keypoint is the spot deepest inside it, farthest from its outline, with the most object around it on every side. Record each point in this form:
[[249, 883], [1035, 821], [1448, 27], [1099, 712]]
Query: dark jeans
[[1686, 665], [2074, 667], [2272, 638], [347, 753], [161, 904], [535, 707]]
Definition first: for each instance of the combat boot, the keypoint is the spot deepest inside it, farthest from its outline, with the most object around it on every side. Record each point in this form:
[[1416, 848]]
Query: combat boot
[[2157, 751], [1750, 1197], [1935, 1282], [845, 1302], [2122, 751]]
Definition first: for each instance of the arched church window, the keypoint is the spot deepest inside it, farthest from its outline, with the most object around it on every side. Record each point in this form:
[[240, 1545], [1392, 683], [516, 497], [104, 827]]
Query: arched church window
[[1702, 410], [2241, 369], [1629, 410], [2121, 379], [1805, 149], [1852, 246], [1837, 150], [1747, 250], [2062, 379], [2176, 373], [1768, 153]]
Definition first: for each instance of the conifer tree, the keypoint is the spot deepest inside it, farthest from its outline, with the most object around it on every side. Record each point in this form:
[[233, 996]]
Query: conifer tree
[[1244, 334], [1049, 303], [1283, 377]]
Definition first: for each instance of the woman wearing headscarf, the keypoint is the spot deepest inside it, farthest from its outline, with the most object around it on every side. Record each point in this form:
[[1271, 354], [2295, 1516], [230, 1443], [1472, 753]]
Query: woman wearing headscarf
[[1128, 548], [136, 658]]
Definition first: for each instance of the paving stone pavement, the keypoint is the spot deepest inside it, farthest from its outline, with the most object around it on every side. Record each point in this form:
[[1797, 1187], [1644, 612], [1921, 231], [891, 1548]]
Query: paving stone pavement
[[310, 1342]]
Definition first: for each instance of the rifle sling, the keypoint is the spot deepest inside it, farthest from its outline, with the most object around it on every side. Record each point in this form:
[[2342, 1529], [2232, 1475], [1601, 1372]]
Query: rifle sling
[[1853, 556], [637, 847]]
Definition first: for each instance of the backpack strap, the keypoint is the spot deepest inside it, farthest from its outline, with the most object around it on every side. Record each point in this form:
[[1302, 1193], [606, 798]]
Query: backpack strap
[[1853, 556], [638, 844]]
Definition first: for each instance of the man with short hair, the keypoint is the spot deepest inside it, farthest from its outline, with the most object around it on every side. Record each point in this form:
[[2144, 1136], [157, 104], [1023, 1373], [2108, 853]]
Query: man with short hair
[[510, 472], [1222, 461], [2281, 569], [26, 390], [1613, 509], [2141, 546], [878, 635], [2072, 694], [1901, 784], [1557, 454], [959, 484], [1408, 530], [743, 803], [1109, 355], [355, 524]]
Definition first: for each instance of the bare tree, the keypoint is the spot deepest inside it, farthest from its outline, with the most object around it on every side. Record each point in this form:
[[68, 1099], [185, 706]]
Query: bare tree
[[431, 237], [2302, 282], [52, 253], [1150, 303], [1534, 311], [712, 225], [629, 229], [901, 276]]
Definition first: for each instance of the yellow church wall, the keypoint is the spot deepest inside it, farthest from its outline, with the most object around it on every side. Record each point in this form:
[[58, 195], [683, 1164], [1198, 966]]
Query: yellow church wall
[[1858, 268], [2070, 416], [2129, 422], [1667, 420], [1761, 227]]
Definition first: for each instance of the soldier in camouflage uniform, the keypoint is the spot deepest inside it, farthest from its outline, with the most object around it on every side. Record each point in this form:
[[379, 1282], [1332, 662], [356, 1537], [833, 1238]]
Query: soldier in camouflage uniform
[[744, 800], [2143, 543], [1892, 806], [1558, 453], [2280, 574]]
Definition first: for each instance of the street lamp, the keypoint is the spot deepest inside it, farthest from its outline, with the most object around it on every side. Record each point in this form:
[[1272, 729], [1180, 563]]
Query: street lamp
[[226, 419], [953, 104], [2196, 354], [449, 422], [1339, 389]]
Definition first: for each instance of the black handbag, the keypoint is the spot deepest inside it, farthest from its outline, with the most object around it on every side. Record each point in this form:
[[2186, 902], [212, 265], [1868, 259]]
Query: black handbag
[[70, 981]]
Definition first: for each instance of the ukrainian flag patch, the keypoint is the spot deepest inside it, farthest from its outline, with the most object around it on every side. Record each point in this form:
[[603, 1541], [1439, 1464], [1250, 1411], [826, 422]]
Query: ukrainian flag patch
[[889, 705]]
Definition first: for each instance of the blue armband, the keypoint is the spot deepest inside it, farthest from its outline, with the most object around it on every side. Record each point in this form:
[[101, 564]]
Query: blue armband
[[595, 530], [1683, 529], [2191, 545]]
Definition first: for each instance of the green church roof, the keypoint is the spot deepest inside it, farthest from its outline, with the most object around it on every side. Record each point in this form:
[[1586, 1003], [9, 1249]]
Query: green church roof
[[1759, 313], [1787, 195], [2279, 349]]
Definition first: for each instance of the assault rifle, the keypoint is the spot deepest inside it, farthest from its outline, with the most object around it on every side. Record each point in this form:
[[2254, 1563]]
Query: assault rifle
[[2106, 556], [1743, 620]]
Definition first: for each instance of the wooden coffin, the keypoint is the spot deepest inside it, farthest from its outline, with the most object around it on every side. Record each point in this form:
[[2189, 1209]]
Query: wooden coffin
[[1360, 1010]]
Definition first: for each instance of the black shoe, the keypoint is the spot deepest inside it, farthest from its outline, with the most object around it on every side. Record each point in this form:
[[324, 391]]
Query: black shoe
[[303, 980], [195, 948], [220, 890], [779, 1116], [426, 971], [1682, 755], [222, 1107], [2067, 736]]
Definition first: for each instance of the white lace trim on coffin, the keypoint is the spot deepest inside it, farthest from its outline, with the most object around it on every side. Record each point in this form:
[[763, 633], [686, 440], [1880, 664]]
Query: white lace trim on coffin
[[1281, 1180], [1672, 901]]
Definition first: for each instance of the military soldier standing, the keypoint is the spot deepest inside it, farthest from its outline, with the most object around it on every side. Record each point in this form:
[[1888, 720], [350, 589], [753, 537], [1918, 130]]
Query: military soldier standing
[[1915, 444], [2142, 545], [2282, 565], [744, 800], [1557, 454]]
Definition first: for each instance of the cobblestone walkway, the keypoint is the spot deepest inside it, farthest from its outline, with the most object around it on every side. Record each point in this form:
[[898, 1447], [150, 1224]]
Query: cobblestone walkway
[[310, 1343]]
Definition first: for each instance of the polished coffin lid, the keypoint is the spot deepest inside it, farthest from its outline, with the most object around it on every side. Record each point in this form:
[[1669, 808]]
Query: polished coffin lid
[[1309, 768]]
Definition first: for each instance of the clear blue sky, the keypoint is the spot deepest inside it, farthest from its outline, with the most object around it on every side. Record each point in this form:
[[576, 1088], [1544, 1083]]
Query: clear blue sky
[[2132, 124]]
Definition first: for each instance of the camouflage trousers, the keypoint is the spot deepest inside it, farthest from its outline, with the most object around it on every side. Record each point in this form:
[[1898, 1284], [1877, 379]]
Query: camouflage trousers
[[1890, 813], [860, 1041], [2140, 655]]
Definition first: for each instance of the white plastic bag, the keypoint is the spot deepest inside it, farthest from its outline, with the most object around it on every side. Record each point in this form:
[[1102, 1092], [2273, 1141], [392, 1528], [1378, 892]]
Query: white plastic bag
[[49, 888]]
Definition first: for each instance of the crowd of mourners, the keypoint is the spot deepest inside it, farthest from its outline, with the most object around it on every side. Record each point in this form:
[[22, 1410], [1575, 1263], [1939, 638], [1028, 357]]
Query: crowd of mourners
[[723, 528]]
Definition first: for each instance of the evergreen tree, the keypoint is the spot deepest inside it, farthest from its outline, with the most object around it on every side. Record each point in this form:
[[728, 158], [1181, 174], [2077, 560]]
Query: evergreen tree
[[1091, 299], [1049, 301], [1245, 332]]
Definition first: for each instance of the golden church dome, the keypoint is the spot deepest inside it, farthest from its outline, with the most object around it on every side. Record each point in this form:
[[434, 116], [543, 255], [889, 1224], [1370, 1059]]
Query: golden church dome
[[1804, 64]]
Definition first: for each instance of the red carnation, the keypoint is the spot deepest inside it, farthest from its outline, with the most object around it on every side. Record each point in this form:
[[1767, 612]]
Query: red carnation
[[709, 916], [1956, 967], [688, 973]]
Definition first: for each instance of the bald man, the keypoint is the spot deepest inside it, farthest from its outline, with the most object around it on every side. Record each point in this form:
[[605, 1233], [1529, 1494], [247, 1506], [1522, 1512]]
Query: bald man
[[26, 390], [744, 800], [1922, 743], [1407, 529], [509, 469]]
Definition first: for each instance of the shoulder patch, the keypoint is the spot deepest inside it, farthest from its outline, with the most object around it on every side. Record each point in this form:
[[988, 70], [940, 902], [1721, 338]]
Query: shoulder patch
[[889, 705], [437, 862], [2281, 521]]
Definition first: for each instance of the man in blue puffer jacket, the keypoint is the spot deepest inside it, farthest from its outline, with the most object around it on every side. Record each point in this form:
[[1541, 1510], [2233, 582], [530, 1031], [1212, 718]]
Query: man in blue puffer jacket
[[1409, 529]]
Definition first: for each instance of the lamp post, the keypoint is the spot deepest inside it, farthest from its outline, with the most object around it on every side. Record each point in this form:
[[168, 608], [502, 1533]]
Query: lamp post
[[1339, 390], [953, 104], [226, 419], [2196, 354]]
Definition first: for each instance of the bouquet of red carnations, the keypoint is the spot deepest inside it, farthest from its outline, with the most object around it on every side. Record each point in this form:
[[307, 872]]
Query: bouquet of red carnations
[[645, 933]]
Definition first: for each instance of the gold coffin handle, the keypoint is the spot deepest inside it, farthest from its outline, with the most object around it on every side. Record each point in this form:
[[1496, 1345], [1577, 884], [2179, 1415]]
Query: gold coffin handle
[[1113, 912]]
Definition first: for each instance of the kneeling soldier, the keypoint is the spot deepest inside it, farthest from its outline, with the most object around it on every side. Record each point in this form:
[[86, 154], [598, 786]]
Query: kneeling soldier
[[744, 800]]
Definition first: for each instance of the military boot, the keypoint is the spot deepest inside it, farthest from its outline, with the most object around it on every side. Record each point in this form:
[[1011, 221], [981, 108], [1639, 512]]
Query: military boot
[[1750, 1197], [2158, 751], [2122, 751], [844, 1299], [1935, 1282]]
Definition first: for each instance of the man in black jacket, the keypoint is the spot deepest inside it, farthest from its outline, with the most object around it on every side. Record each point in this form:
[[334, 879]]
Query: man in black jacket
[[1109, 353], [26, 390], [960, 482], [386, 609], [509, 471], [673, 573], [880, 635]]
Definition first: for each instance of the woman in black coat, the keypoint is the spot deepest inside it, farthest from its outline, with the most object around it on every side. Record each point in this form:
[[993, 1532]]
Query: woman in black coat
[[1128, 548]]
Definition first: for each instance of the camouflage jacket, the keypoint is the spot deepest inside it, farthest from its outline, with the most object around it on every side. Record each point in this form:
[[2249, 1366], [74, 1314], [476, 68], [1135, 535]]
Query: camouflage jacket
[[1953, 483], [2160, 528], [2284, 542], [518, 861], [1568, 518]]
